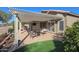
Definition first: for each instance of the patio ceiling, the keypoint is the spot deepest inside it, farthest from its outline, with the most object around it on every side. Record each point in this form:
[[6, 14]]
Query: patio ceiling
[[30, 16]]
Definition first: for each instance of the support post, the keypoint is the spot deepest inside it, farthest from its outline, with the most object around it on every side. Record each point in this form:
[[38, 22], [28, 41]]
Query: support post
[[56, 27], [20, 25], [19, 30], [15, 30]]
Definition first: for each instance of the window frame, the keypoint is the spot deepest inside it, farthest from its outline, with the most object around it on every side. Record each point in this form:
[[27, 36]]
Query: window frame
[[61, 25]]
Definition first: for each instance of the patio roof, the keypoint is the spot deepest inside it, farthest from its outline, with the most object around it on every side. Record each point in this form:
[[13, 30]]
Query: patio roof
[[26, 16]]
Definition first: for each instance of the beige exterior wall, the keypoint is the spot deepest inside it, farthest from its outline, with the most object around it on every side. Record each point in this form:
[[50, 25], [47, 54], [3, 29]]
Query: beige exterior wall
[[68, 21], [71, 20], [36, 27]]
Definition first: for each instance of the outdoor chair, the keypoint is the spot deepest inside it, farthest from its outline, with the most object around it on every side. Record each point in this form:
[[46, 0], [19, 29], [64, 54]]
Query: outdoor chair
[[43, 31], [33, 34]]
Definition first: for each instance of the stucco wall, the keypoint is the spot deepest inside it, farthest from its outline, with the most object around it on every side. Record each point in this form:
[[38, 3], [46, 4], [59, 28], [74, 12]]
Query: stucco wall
[[36, 27], [71, 20], [68, 21]]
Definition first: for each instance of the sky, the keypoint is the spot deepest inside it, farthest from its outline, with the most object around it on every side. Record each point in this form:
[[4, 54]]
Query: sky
[[39, 9], [74, 10]]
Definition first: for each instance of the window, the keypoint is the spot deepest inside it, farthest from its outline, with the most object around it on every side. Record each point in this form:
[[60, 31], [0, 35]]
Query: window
[[43, 25], [61, 25], [34, 24]]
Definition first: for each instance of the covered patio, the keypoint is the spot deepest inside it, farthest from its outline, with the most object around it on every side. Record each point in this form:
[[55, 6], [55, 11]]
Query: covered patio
[[30, 24]]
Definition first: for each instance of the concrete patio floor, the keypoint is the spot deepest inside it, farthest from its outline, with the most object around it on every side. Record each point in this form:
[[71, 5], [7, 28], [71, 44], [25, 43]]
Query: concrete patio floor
[[27, 39]]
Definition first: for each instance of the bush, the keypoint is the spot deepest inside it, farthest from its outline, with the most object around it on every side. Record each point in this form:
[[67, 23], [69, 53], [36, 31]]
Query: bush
[[10, 30], [71, 38]]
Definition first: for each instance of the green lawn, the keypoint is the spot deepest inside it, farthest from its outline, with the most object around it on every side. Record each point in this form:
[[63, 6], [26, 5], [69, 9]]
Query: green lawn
[[44, 46]]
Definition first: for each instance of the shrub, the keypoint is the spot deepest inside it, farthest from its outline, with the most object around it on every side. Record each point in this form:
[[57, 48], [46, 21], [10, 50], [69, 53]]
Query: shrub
[[71, 38], [10, 30]]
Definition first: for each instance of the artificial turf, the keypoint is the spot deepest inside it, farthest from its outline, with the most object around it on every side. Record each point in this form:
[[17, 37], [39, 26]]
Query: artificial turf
[[44, 46]]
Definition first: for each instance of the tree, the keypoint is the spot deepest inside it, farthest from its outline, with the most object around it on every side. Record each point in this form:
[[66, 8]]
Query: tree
[[71, 38], [4, 17]]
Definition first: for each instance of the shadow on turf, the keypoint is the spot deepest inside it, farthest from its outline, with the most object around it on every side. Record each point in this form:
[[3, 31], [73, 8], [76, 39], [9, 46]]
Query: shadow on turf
[[58, 46]]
